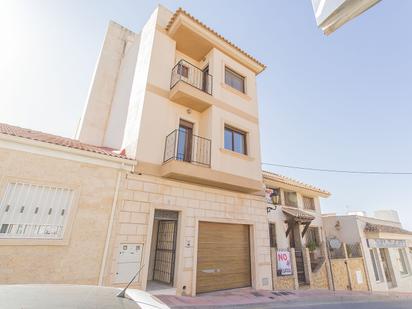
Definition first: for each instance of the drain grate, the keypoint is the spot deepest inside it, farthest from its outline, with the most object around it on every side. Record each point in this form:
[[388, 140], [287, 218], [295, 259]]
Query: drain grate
[[282, 293], [257, 294]]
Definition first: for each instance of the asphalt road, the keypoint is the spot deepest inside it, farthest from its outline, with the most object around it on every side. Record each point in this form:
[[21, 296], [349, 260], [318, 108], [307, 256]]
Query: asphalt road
[[305, 299], [390, 304]]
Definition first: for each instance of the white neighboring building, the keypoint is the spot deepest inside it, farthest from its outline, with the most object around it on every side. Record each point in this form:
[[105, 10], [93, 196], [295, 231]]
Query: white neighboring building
[[332, 14], [389, 214], [386, 247]]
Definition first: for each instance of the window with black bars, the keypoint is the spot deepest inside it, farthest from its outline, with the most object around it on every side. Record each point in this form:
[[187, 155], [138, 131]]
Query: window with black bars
[[308, 203], [272, 235]]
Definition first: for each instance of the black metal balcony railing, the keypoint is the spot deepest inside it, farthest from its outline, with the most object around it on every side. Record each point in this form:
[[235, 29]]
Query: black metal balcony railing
[[183, 146], [192, 75]]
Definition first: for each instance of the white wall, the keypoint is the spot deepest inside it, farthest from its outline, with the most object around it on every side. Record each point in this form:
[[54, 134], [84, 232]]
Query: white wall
[[389, 215], [152, 116], [128, 107], [349, 229], [92, 128], [133, 122], [120, 104]]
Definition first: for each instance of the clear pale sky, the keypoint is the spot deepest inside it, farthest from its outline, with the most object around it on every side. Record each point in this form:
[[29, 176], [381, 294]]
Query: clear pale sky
[[338, 102]]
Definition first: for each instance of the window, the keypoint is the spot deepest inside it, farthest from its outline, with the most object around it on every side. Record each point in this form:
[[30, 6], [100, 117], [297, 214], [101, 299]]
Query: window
[[235, 140], [183, 70], [309, 203], [312, 236], [291, 199], [234, 80], [403, 262], [33, 211], [375, 264], [272, 235]]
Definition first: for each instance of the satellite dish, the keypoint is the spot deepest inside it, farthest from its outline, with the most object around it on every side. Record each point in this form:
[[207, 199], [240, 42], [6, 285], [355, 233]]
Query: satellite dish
[[335, 243]]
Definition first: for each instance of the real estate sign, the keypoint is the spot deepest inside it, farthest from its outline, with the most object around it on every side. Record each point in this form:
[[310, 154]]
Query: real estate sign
[[284, 263]]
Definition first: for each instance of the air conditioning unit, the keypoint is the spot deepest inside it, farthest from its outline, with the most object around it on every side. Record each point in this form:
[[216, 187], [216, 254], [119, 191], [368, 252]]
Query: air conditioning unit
[[332, 14]]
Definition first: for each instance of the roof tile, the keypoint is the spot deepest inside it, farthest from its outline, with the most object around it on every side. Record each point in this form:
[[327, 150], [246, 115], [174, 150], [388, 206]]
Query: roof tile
[[58, 140], [182, 11], [293, 182]]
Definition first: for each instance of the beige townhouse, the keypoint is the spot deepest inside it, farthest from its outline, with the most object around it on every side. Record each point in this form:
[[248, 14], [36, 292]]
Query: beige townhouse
[[296, 226], [172, 113], [56, 206], [181, 100]]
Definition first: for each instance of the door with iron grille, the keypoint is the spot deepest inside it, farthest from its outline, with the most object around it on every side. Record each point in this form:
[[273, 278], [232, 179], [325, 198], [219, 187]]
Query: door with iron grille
[[165, 251], [300, 267]]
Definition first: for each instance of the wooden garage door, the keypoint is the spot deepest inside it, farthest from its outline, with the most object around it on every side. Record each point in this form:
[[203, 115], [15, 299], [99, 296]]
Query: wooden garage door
[[223, 259]]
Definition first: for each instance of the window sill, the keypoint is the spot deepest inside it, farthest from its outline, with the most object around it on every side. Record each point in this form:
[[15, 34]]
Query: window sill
[[235, 91], [236, 154]]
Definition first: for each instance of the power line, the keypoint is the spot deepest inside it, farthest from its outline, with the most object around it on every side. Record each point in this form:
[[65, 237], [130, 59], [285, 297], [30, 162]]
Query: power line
[[337, 171]]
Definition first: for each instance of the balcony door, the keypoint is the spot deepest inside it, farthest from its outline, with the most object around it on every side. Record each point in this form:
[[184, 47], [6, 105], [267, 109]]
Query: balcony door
[[184, 144], [205, 80]]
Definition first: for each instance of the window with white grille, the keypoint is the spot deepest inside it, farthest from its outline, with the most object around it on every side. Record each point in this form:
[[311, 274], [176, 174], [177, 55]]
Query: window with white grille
[[34, 211]]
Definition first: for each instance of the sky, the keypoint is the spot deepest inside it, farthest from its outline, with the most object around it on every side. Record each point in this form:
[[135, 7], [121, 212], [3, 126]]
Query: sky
[[337, 102]]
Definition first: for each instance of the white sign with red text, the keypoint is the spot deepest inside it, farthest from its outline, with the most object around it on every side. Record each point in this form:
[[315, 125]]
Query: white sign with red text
[[284, 262]]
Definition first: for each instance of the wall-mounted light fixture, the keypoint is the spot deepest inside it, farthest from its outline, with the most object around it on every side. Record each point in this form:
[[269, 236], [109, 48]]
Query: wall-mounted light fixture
[[275, 199], [338, 226]]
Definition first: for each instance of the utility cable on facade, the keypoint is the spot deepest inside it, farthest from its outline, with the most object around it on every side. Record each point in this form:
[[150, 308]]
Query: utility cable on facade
[[337, 171]]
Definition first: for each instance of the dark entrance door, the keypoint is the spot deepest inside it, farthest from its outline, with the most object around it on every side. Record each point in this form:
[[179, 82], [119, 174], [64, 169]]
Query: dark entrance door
[[300, 264], [165, 254], [292, 242], [184, 145], [300, 267]]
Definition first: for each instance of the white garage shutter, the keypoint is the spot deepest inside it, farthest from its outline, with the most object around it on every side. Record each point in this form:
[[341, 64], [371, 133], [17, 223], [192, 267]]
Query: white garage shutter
[[34, 211]]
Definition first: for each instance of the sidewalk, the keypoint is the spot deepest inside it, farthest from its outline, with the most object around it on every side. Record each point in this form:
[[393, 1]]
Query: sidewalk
[[247, 296]]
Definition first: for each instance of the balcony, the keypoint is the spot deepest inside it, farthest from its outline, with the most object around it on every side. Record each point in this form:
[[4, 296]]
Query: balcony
[[191, 86], [187, 157], [183, 146]]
